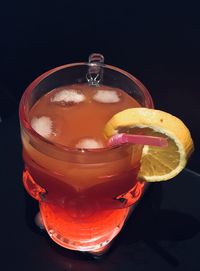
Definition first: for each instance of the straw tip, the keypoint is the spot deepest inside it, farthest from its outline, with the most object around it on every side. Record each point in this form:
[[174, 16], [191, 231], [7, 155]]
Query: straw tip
[[116, 140]]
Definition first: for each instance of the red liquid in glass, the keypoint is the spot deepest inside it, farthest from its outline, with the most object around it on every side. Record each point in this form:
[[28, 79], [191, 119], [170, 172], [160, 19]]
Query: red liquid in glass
[[84, 197]]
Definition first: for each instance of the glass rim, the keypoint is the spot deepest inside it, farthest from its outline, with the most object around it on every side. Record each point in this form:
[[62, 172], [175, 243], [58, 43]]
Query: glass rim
[[24, 99]]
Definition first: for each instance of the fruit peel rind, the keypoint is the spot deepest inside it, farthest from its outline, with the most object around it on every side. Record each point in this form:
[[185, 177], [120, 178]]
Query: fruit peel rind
[[159, 121]]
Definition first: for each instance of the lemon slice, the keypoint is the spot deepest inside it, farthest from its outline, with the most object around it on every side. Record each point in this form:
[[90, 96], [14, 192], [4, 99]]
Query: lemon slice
[[157, 163]]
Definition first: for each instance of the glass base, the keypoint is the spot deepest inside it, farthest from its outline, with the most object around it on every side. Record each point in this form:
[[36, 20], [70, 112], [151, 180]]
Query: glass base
[[100, 249], [96, 246], [72, 225]]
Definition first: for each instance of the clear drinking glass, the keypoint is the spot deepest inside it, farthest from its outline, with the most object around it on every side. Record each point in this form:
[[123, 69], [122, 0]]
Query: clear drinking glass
[[84, 195]]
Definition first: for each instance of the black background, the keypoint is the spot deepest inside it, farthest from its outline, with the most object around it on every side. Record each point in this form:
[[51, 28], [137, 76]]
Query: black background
[[158, 42]]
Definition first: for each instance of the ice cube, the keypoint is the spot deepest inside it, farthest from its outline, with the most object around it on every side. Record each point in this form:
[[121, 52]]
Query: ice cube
[[42, 125], [68, 97], [106, 96], [89, 143]]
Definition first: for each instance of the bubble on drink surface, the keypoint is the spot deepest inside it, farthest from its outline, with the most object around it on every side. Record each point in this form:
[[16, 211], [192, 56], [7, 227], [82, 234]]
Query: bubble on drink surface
[[106, 96], [42, 125], [89, 143], [68, 97]]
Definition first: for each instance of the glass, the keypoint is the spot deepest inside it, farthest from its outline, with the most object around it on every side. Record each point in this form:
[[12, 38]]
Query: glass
[[85, 195]]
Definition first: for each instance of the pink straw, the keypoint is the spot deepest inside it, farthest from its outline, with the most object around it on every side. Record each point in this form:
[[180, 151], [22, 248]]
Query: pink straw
[[119, 139]]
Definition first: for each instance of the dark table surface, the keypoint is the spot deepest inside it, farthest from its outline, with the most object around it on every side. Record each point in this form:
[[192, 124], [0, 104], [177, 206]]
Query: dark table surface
[[163, 232]]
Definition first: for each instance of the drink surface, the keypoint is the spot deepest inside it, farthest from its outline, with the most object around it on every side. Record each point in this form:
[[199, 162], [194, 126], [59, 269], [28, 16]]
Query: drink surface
[[87, 195], [80, 111]]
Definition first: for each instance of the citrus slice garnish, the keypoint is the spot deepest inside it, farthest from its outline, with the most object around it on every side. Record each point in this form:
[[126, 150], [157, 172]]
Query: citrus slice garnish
[[157, 163]]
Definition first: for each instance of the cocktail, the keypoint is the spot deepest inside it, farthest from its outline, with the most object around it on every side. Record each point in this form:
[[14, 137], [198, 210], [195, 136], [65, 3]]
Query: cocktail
[[86, 188]]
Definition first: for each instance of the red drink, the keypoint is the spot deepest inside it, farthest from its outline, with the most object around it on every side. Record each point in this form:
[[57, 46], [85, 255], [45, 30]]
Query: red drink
[[85, 189]]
